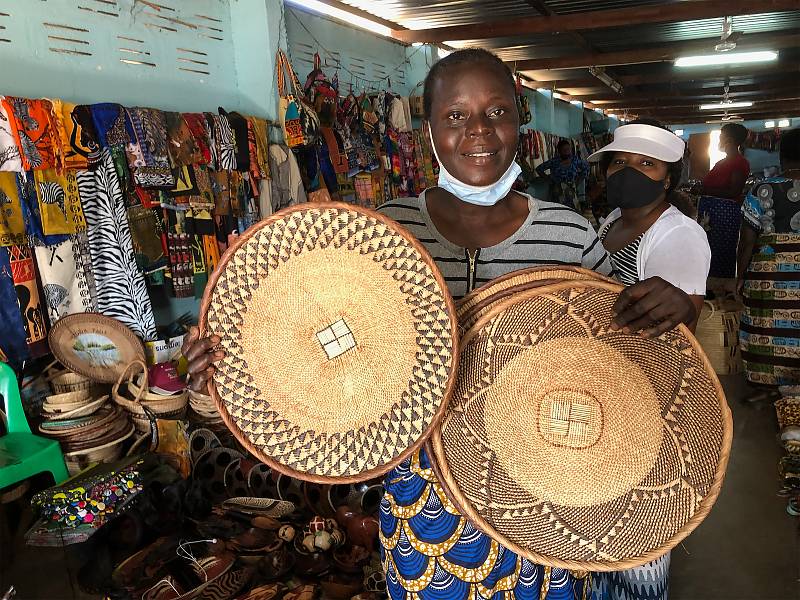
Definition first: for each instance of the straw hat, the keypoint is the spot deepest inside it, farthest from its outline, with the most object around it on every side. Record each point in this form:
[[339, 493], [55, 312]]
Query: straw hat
[[95, 346], [340, 341], [576, 446]]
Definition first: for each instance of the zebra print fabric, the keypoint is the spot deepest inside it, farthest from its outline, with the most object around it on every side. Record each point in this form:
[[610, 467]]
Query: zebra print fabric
[[225, 143], [65, 272], [121, 289]]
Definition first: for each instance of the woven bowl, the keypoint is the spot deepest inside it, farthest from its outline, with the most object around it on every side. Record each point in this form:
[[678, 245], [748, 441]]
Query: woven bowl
[[576, 446], [69, 398], [110, 451], [81, 411], [340, 340], [67, 381]]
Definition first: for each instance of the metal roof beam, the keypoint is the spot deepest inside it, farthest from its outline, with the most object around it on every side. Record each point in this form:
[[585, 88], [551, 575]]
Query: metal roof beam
[[600, 19], [659, 54]]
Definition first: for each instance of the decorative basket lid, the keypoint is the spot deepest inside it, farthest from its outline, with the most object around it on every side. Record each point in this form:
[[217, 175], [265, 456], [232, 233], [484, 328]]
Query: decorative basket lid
[[340, 341], [95, 346], [576, 446]]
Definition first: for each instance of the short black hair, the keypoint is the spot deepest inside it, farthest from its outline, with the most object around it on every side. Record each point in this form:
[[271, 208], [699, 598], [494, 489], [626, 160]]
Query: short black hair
[[736, 132], [563, 142], [790, 147], [674, 169], [460, 57]]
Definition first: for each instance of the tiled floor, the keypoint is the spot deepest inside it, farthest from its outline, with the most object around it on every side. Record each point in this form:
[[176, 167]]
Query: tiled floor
[[747, 549]]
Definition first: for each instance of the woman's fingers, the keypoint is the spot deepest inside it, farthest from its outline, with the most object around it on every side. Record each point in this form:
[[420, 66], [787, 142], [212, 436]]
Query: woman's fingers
[[199, 382], [198, 348]]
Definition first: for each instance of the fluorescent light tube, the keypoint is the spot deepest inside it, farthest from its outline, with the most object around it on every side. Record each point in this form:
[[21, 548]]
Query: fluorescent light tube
[[784, 123], [576, 102], [343, 15], [727, 58], [679, 132], [769, 124], [556, 95], [724, 105]]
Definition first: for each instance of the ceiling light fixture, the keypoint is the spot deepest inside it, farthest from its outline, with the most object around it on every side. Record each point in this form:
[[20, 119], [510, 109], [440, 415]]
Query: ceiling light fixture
[[679, 132], [543, 90], [576, 102], [598, 110], [601, 74], [343, 15], [556, 95], [769, 124], [783, 123], [726, 105], [728, 58]]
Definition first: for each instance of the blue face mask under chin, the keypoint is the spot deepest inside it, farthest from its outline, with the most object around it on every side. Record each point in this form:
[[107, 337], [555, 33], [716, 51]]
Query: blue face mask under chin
[[483, 195]]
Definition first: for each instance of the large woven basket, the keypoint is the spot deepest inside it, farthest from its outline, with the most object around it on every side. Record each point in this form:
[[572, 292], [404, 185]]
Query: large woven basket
[[340, 340], [134, 396], [718, 334], [577, 446]]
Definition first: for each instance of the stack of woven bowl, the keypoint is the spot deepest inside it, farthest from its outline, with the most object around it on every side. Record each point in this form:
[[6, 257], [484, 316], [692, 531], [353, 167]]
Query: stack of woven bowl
[[132, 393], [204, 412], [88, 427]]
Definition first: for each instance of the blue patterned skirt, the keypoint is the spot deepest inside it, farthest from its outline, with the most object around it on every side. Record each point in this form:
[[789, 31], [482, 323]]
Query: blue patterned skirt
[[721, 218]]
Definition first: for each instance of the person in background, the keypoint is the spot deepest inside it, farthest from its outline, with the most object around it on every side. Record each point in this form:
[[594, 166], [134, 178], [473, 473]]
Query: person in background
[[719, 210], [646, 237], [768, 273], [565, 170], [477, 228]]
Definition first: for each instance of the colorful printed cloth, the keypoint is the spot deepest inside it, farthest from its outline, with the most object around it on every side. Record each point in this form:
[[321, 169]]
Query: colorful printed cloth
[[721, 218], [430, 551], [65, 281], [83, 137], [155, 170], [12, 223], [261, 132], [198, 125], [33, 131], [770, 327], [181, 144], [23, 270], [110, 127], [10, 158], [59, 202], [29, 201], [13, 344]]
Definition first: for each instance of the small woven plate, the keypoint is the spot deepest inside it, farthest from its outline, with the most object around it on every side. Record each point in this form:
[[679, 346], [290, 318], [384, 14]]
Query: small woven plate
[[576, 446], [340, 341], [95, 346]]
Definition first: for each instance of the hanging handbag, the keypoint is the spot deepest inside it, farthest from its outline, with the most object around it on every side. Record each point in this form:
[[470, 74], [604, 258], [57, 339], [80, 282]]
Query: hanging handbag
[[299, 121]]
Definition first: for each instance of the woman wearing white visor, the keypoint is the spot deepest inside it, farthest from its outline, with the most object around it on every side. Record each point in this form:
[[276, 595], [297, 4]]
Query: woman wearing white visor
[[645, 235], [648, 237]]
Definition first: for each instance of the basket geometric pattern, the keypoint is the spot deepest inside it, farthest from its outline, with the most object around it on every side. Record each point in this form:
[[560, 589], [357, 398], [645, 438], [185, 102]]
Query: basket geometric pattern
[[595, 473], [258, 416]]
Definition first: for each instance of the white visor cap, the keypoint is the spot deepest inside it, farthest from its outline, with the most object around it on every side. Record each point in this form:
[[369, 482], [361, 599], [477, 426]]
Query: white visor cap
[[646, 140]]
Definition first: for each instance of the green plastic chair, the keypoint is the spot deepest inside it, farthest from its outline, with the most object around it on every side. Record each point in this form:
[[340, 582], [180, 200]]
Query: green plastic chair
[[23, 454]]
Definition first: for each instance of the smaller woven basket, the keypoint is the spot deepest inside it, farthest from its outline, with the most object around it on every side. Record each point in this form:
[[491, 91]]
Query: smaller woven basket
[[71, 399], [138, 396], [67, 381], [718, 334], [788, 411]]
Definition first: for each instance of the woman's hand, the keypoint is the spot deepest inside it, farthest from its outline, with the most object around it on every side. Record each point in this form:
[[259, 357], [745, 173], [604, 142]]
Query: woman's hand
[[201, 357], [653, 307]]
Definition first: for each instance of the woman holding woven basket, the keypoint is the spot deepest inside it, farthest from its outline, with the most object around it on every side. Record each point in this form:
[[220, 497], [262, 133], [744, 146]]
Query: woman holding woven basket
[[477, 229], [646, 236]]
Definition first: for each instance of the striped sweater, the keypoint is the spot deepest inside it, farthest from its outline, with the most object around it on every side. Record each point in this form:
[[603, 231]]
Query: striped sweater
[[551, 235]]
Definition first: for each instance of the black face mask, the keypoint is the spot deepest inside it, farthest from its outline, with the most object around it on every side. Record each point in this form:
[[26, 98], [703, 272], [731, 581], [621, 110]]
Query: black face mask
[[629, 188]]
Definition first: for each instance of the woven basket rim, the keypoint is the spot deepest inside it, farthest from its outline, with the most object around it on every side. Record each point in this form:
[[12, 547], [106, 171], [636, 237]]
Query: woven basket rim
[[451, 310], [102, 375], [466, 303], [92, 406], [453, 492], [110, 444]]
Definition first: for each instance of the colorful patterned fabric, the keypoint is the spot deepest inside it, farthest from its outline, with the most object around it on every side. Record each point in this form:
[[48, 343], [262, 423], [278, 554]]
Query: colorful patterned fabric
[[33, 131], [721, 218], [12, 224], [201, 132], [181, 145], [23, 270], [13, 345], [649, 582], [430, 552], [83, 136], [770, 328], [59, 203], [10, 159], [65, 281]]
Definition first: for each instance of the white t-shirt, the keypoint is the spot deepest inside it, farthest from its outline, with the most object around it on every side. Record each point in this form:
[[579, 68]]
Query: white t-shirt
[[675, 248]]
